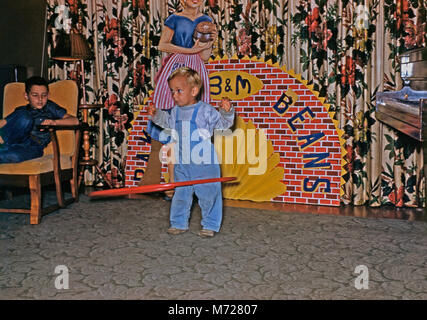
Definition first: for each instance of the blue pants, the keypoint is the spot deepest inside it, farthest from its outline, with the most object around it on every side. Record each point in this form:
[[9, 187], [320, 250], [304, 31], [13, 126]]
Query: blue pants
[[18, 146], [208, 194]]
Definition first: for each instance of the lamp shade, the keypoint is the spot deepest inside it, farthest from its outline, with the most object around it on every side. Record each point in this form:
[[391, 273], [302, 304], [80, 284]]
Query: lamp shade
[[72, 46]]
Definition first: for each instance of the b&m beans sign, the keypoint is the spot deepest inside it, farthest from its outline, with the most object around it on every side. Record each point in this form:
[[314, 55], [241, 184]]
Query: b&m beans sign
[[297, 122]]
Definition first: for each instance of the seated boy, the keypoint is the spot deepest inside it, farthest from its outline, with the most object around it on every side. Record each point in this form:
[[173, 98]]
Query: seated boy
[[20, 139]]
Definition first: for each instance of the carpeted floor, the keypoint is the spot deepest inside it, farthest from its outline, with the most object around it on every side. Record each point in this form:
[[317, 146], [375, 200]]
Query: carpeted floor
[[119, 249]]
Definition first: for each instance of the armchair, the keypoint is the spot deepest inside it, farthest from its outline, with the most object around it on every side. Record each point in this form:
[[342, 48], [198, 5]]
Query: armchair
[[60, 159]]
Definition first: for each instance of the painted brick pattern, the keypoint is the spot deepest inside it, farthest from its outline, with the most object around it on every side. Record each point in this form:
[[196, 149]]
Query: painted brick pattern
[[259, 109]]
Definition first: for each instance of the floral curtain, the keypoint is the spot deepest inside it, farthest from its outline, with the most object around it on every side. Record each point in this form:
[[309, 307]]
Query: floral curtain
[[347, 49], [123, 37]]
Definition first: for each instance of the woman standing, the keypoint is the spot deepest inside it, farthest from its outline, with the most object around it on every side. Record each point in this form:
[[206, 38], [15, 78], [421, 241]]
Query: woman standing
[[177, 40]]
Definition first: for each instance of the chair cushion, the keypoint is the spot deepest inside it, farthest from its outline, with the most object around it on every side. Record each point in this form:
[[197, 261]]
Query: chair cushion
[[35, 166]]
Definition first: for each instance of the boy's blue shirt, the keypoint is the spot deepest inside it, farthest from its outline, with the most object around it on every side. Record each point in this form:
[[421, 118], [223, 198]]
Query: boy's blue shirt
[[50, 111]]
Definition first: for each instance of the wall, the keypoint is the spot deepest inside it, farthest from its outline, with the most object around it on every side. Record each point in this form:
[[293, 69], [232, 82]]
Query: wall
[[21, 37]]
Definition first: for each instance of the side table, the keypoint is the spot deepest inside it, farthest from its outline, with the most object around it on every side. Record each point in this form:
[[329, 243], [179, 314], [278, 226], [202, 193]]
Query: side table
[[86, 160]]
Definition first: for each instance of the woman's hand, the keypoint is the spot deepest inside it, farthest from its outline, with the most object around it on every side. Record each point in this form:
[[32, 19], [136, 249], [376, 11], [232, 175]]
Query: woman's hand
[[200, 46]]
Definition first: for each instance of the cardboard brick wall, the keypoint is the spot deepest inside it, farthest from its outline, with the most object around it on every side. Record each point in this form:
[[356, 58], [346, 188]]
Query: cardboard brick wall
[[293, 117]]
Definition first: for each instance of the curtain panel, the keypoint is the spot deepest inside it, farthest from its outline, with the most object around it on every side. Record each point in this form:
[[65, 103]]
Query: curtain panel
[[348, 50]]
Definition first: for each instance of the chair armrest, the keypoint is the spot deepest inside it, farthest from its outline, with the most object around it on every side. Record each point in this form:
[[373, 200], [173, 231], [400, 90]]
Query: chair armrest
[[81, 126], [78, 128], [54, 127], [56, 156]]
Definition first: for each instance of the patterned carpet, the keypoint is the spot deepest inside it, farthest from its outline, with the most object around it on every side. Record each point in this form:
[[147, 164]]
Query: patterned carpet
[[119, 249]]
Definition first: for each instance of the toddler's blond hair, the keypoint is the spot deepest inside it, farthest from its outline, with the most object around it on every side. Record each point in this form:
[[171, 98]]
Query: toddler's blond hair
[[193, 78]]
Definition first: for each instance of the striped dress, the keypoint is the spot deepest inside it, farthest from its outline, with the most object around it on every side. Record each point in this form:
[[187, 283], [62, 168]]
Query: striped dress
[[183, 28]]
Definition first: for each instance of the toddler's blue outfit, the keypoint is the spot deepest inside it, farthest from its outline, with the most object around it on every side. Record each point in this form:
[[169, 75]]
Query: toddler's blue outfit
[[195, 158], [22, 140]]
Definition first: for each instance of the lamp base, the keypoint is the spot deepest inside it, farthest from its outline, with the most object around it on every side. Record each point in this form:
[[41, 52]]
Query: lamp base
[[92, 163]]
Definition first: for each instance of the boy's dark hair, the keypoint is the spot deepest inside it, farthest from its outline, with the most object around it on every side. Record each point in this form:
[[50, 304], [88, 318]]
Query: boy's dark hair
[[35, 81]]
